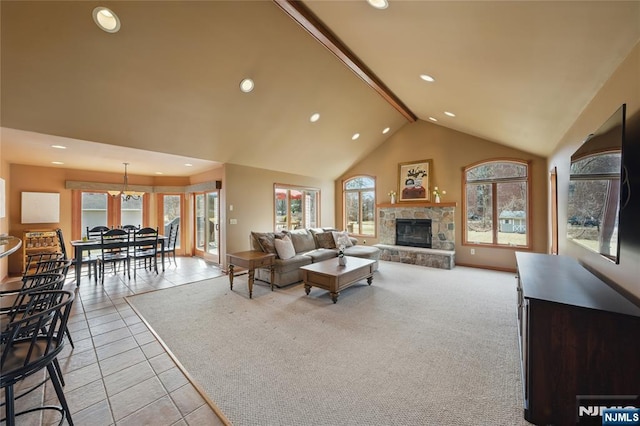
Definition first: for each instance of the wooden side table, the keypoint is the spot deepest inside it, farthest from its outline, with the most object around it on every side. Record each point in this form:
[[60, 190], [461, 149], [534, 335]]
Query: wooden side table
[[250, 260]]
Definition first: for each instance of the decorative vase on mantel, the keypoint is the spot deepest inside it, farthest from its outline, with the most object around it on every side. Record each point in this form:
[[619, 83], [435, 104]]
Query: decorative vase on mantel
[[393, 198], [437, 198]]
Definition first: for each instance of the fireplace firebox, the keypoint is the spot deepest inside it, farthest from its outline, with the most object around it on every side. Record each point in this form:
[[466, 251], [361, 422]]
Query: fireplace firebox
[[413, 232]]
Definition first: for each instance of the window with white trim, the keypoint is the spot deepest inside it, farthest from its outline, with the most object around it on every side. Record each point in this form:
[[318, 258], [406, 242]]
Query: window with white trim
[[496, 206], [360, 205]]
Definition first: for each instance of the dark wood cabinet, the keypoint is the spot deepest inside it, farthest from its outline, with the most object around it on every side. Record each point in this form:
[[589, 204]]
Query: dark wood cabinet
[[579, 337]]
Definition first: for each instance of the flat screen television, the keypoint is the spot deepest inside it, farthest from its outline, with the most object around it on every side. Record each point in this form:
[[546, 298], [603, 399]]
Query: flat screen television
[[596, 189], [630, 188]]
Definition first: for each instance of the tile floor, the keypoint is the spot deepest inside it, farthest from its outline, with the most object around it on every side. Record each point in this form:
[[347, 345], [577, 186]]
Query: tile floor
[[118, 373]]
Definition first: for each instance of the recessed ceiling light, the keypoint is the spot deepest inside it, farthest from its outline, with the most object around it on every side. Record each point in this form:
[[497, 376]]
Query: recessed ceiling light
[[314, 117], [379, 4], [433, 119], [355, 136], [106, 20], [427, 77], [57, 162], [188, 164], [159, 173], [247, 85], [386, 130], [450, 114], [58, 146]]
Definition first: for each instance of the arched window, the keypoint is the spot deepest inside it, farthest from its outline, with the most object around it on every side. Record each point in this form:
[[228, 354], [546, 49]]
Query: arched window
[[496, 205], [360, 205]]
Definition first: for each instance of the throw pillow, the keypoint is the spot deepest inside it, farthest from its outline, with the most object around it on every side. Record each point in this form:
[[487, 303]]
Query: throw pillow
[[284, 248], [266, 241], [325, 240], [342, 238]]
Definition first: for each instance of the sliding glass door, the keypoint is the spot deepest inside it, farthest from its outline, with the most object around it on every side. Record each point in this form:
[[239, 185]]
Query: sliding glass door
[[207, 226]]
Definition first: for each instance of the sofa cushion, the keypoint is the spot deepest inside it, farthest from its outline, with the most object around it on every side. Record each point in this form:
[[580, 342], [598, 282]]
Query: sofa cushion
[[321, 254], [302, 240], [284, 247], [341, 238], [367, 252], [325, 240]]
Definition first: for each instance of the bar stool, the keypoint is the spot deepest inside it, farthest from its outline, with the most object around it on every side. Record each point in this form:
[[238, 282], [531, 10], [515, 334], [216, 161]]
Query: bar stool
[[31, 342]]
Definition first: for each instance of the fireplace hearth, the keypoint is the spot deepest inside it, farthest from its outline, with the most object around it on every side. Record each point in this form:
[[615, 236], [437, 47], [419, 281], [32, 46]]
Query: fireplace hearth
[[413, 232]]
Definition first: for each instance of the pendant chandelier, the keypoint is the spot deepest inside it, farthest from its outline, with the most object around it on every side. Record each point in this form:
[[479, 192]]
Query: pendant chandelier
[[126, 193]]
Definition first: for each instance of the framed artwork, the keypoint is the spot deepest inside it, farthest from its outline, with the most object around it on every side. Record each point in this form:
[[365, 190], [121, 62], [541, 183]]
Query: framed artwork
[[413, 179], [40, 207]]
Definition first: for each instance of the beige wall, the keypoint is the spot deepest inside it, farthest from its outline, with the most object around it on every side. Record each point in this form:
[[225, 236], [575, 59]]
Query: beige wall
[[622, 87], [35, 179], [250, 192], [450, 151]]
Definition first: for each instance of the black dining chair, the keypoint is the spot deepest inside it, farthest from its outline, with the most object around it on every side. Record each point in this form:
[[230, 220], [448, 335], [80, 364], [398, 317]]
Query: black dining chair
[[171, 242], [114, 247], [145, 249], [90, 260], [30, 342], [95, 232]]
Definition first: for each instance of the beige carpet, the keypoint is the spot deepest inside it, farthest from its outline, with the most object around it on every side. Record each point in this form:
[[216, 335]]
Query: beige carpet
[[420, 346]]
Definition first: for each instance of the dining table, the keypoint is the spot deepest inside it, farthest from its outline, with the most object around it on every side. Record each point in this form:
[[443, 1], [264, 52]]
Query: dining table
[[82, 246]]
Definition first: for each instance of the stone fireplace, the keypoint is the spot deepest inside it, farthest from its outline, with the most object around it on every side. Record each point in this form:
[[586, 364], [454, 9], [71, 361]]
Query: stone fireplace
[[442, 223], [413, 232], [441, 254]]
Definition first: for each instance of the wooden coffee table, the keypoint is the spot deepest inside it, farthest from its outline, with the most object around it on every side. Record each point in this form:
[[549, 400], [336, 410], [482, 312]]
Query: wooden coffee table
[[330, 276], [250, 260]]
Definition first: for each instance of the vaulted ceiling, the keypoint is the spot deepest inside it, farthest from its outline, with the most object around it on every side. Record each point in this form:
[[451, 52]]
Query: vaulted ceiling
[[164, 90]]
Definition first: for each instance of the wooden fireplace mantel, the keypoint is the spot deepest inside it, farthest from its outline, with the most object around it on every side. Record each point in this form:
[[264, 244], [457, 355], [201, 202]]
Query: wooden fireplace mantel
[[415, 204]]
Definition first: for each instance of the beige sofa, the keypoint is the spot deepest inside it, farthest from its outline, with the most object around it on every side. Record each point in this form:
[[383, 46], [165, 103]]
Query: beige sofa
[[310, 246]]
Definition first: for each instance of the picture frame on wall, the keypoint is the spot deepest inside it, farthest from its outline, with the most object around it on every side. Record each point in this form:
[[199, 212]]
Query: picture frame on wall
[[413, 180]]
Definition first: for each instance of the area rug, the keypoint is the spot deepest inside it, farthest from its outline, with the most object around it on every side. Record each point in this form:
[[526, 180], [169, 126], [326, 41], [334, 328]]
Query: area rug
[[420, 346]]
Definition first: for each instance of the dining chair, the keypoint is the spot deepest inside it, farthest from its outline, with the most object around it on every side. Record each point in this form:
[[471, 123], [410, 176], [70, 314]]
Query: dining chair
[[130, 227], [145, 248], [172, 240], [90, 260], [95, 232], [114, 249], [30, 342]]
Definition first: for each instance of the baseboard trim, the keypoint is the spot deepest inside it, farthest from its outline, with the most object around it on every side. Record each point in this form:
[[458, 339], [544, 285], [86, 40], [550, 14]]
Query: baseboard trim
[[491, 268]]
